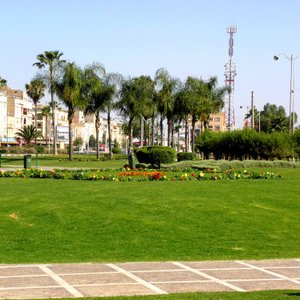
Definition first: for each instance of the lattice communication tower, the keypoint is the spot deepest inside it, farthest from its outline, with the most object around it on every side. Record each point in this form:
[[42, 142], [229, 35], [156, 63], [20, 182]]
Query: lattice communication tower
[[230, 73]]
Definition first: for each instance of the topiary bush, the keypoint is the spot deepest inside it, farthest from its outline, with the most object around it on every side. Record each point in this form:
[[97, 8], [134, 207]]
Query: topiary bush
[[155, 155], [181, 156]]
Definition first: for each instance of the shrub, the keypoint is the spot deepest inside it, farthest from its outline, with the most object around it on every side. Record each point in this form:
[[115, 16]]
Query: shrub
[[40, 149], [116, 150], [181, 156], [155, 155]]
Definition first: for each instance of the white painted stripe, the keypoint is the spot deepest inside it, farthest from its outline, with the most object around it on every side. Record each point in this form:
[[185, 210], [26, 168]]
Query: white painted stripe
[[86, 273], [30, 287], [181, 270], [23, 276], [20, 266], [214, 279], [62, 282], [138, 279], [269, 272]]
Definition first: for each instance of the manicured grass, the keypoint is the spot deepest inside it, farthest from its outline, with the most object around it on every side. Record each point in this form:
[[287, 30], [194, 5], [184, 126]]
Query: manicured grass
[[44, 220], [265, 295], [61, 161]]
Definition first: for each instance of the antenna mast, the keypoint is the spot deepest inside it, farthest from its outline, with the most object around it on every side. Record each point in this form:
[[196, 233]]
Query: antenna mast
[[230, 73]]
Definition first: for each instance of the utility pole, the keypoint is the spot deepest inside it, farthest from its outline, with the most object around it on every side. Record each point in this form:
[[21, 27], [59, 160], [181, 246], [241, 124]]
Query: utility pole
[[252, 111]]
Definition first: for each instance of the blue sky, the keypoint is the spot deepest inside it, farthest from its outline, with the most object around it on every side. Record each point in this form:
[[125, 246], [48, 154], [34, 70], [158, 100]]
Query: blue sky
[[136, 37]]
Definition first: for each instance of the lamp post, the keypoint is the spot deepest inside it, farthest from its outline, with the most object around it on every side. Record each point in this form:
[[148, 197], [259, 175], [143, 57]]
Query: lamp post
[[292, 88]]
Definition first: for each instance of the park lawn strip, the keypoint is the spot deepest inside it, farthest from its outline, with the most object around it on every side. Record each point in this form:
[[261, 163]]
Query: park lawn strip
[[45, 220], [264, 295]]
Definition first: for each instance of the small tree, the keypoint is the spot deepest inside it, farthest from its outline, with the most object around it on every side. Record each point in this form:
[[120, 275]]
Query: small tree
[[78, 142], [28, 134]]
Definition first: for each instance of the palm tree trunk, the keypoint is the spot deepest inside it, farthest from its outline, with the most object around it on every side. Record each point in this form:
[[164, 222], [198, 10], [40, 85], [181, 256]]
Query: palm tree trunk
[[130, 135], [35, 115], [186, 135], [70, 119], [161, 130], [193, 134], [109, 134], [53, 110], [152, 131], [97, 125]]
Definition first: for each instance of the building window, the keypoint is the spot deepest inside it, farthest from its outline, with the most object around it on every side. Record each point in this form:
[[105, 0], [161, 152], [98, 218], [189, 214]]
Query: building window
[[24, 121], [25, 111], [217, 119], [210, 127], [217, 128]]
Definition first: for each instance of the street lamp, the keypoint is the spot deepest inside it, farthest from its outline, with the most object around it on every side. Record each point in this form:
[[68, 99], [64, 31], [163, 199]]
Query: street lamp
[[292, 89]]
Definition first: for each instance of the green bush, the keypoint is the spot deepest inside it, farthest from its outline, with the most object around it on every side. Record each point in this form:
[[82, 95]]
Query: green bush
[[181, 156], [116, 150], [155, 155], [40, 149]]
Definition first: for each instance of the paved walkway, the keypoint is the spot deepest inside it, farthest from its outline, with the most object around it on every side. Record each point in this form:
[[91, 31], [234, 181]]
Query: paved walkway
[[95, 279]]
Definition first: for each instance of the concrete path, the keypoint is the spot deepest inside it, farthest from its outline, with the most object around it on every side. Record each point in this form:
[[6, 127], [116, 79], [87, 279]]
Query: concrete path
[[97, 279]]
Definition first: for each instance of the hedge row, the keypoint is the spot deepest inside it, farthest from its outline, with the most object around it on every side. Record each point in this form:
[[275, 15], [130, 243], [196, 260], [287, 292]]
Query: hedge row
[[249, 144]]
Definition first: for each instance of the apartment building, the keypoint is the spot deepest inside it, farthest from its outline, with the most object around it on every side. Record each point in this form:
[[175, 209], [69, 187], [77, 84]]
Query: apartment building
[[15, 112]]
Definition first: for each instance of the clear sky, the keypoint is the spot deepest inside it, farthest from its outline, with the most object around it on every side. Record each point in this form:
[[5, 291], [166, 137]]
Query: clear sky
[[136, 37]]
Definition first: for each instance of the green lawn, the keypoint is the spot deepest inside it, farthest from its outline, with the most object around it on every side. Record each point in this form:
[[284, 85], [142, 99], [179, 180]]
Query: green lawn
[[80, 161], [265, 295], [44, 220]]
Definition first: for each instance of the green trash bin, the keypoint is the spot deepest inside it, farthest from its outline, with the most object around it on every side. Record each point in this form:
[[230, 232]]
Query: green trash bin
[[27, 161]]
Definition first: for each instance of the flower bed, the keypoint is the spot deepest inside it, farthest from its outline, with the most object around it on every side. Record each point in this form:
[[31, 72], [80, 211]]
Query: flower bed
[[142, 175]]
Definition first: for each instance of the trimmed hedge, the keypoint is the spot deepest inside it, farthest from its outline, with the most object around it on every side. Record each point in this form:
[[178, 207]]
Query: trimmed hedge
[[155, 155], [181, 156], [248, 144]]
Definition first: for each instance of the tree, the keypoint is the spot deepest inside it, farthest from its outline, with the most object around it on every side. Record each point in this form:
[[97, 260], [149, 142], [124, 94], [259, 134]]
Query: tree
[[273, 118], [35, 90], [196, 95], [3, 82], [69, 90], [51, 59], [134, 93], [110, 83], [93, 93], [28, 134], [166, 88], [215, 100]]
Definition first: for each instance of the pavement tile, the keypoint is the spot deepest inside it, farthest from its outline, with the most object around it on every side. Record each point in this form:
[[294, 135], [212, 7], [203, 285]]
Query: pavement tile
[[192, 287], [79, 268], [274, 263], [27, 282], [170, 276], [34, 293], [267, 285], [148, 266], [213, 265], [97, 279], [114, 290], [291, 273], [239, 274], [16, 271]]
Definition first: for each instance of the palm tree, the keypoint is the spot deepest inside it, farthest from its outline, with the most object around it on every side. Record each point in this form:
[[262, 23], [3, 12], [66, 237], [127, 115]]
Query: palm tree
[[134, 93], [69, 89], [215, 101], [46, 112], [93, 93], [35, 90], [3, 82], [28, 133], [51, 59], [110, 82], [166, 86]]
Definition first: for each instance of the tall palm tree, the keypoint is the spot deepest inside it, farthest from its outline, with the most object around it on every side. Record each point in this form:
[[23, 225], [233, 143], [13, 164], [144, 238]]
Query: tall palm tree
[[35, 90], [51, 59], [166, 87], [134, 93], [69, 90], [110, 81], [93, 93], [28, 133], [196, 96]]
